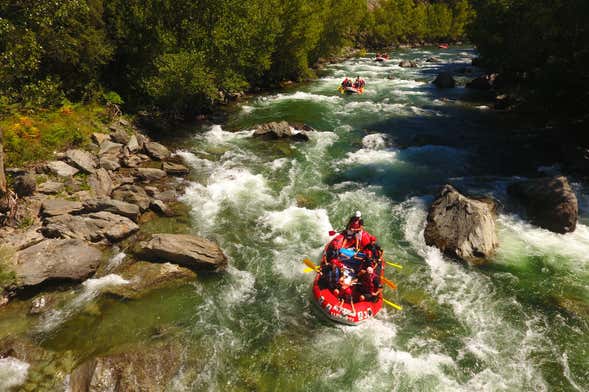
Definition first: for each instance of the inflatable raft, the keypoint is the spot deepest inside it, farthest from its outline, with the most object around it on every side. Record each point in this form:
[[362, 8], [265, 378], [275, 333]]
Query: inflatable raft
[[351, 90], [332, 307]]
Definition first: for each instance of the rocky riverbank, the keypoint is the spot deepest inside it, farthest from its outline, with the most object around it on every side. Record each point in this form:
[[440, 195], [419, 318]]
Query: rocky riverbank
[[64, 219]]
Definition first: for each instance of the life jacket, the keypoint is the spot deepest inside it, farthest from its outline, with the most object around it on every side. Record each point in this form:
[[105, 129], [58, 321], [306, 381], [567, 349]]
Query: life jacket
[[355, 223], [366, 240]]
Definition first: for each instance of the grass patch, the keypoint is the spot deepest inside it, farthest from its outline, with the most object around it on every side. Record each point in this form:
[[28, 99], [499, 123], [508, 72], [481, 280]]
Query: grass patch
[[7, 275], [37, 136]]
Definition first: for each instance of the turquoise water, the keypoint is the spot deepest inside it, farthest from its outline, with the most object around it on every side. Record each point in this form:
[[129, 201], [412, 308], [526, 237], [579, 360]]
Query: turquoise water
[[517, 324]]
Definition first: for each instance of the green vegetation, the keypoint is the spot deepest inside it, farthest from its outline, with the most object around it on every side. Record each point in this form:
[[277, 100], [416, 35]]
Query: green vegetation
[[544, 45], [35, 137]]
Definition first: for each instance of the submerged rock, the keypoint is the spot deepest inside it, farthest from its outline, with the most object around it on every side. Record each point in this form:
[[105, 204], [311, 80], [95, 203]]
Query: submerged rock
[[186, 250], [408, 64], [70, 259], [550, 203], [444, 80], [461, 227], [281, 130]]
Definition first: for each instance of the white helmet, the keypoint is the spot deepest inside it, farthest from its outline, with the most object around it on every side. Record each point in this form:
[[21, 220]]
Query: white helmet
[[358, 214]]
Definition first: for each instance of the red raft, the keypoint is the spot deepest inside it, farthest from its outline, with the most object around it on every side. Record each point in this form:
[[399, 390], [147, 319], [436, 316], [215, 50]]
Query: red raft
[[329, 304]]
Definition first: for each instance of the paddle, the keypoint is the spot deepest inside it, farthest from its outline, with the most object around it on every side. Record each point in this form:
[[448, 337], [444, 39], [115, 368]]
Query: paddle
[[309, 270], [394, 305], [389, 283], [394, 265], [311, 265]]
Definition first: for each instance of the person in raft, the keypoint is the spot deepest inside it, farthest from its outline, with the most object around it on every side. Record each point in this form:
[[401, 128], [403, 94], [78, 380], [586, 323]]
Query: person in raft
[[347, 82], [370, 286], [359, 83]]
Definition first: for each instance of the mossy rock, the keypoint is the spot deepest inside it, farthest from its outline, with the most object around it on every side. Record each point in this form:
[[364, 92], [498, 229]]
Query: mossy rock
[[144, 277]]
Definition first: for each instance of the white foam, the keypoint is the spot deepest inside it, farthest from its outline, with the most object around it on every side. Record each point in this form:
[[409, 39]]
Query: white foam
[[375, 141], [91, 288], [289, 225], [241, 288], [278, 164], [216, 135], [115, 261], [237, 187], [366, 156], [302, 96], [194, 161], [13, 373]]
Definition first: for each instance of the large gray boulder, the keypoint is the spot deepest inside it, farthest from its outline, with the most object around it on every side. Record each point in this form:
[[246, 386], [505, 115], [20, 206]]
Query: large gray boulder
[[55, 207], [118, 207], [281, 130], [461, 227], [186, 250], [51, 187], [550, 203], [132, 194], [149, 174], [99, 226], [175, 169], [70, 259], [408, 64], [110, 162], [157, 151], [100, 183], [61, 169], [444, 80], [81, 159], [110, 148]]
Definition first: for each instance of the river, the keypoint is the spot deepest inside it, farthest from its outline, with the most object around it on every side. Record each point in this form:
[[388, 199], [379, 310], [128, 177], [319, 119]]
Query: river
[[520, 323]]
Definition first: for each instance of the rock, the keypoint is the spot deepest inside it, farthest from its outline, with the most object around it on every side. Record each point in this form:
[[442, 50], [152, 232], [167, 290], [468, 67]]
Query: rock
[[3, 184], [550, 203], [444, 80], [175, 169], [157, 151], [93, 227], [81, 159], [83, 195], [118, 207], [484, 82], [100, 183], [148, 174], [61, 169], [133, 144], [135, 160], [41, 304], [99, 138], [18, 239], [145, 277], [109, 148], [141, 140], [433, 59], [160, 207], [51, 187], [280, 130], [408, 64], [132, 194], [70, 259], [120, 136], [461, 227], [186, 250], [109, 162], [24, 185], [55, 207]]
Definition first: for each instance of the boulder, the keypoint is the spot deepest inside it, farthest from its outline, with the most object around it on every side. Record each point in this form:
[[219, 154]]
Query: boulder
[[109, 148], [408, 64], [133, 144], [18, 239], [280, 130], [100, 183], [549, 202], [118, 207], [145, 277], [149, 174], [484, 82], [94, 227], [81, 159], [461, 227], [53, 259], [157, 151], [175, 169], [61, 169], [187, 250], [109, 162], [444, 80], [119, 135], [55, 207], [160, 208], [51, 187], [132, 194], [135, 160], [24, 185], [99, 138], [433, 59]]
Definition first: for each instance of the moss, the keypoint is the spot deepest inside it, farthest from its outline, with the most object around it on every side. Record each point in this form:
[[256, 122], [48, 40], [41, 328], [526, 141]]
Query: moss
[[7, 275]]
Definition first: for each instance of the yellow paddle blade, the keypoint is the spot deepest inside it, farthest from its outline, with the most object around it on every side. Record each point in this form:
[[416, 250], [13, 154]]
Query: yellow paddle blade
[[394, 305], [394, 265], [308, 269], [310, 264], [389, 283]]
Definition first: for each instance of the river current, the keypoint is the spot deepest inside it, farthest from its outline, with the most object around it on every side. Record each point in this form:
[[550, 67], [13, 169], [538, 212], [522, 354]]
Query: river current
[[520, 323]]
